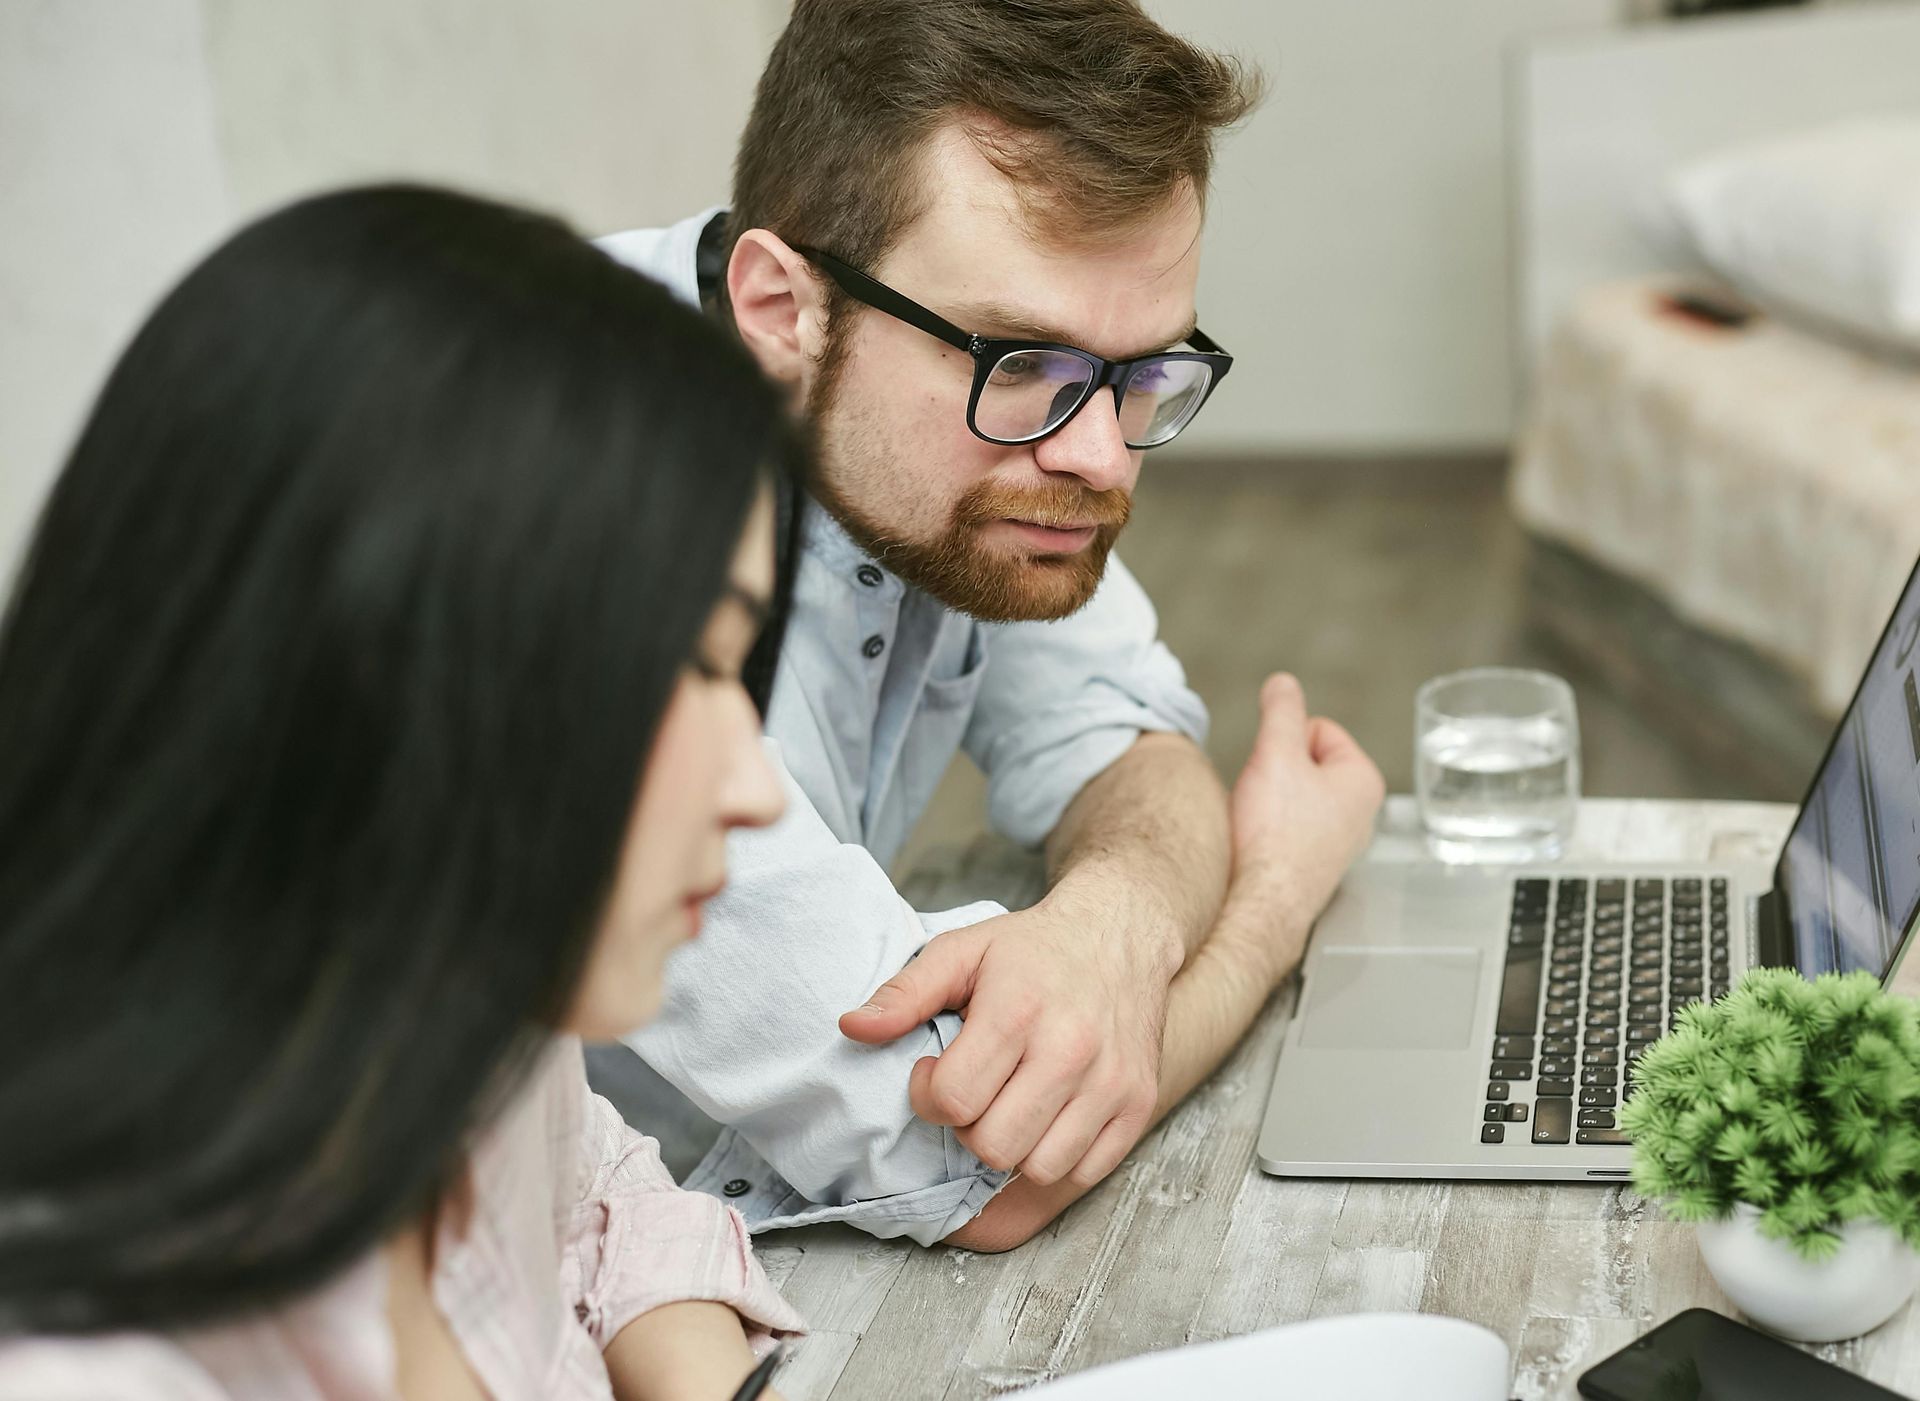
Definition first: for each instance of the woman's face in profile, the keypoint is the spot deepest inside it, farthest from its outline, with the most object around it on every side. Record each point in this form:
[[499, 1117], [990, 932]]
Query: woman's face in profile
[[707, 774]]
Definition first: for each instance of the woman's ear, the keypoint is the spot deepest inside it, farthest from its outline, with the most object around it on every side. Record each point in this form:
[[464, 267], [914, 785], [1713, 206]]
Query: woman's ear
[[779, 306]]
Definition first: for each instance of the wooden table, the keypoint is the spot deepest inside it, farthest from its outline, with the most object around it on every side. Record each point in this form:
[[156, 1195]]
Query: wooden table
[[1188, 1241]]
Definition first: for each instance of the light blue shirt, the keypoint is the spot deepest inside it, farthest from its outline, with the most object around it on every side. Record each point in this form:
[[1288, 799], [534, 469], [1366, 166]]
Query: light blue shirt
[[879, 686]]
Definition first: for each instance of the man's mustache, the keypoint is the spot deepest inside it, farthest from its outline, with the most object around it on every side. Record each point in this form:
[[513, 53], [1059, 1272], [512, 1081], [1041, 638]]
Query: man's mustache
[[1057, 505]]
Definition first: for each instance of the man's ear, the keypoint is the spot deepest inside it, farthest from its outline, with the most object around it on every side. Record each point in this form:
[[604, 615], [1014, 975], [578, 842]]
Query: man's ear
[[779, 306]]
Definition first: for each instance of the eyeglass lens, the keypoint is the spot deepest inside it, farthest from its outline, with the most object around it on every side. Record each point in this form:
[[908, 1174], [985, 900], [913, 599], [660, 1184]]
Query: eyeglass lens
[[1031, 392]]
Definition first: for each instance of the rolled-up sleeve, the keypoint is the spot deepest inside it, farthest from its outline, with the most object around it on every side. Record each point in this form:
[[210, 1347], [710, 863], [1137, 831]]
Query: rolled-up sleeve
[[636, 1241], [818, 1127], [1062, 700]]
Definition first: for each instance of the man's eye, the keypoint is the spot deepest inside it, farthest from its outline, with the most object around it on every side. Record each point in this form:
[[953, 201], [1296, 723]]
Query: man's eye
[[1016, 369]]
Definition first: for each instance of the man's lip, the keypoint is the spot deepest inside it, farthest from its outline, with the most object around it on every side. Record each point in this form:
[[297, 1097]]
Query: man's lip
[[1063, 529]]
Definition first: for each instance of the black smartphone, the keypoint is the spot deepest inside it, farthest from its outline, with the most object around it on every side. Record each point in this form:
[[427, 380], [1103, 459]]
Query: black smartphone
[[1701, 1356]]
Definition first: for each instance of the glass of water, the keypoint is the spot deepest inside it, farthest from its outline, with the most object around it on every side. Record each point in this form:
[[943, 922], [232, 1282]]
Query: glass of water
[[1497, 764]]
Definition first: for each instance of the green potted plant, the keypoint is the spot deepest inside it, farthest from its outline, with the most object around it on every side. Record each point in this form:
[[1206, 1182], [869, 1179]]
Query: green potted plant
[[1784, 1119]]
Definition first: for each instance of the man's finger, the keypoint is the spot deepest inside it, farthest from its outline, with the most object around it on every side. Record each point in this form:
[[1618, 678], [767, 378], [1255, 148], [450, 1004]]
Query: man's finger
[[971, 1072], [1109, 1149], [1063, 1146], [918, 1079], [1283, 714], [940, 979], [1020, 1114], [1329, 742]]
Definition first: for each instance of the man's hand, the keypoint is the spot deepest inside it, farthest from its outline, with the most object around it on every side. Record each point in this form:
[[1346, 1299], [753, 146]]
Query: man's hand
[[1056, 1071], [1302, 810]]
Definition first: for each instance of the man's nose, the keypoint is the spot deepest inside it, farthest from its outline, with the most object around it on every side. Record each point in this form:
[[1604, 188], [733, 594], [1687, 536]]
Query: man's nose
[[1091, 447]]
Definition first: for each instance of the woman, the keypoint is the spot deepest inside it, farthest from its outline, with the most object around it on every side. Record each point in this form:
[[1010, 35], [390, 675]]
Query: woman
[[371, 719]]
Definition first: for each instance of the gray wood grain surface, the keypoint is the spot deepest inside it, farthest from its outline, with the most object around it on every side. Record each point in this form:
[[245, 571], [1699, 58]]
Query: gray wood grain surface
[[1188, 1241]]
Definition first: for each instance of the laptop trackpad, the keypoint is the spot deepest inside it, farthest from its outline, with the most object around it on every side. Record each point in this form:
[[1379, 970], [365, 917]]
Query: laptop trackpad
[[1392, 1000]]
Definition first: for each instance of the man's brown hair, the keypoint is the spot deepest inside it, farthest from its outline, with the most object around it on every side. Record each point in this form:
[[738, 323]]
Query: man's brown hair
[[1096, 113]]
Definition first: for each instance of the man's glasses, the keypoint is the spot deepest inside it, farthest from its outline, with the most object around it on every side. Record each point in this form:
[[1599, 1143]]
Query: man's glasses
[[1025, 390]]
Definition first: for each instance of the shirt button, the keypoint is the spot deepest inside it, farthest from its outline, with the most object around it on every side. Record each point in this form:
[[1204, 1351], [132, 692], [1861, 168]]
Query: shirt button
[[869, 576], [738, 1187], [873, 646]]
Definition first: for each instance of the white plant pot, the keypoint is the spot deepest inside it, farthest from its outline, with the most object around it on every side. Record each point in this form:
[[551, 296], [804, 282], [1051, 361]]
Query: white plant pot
[[1857, 1288]]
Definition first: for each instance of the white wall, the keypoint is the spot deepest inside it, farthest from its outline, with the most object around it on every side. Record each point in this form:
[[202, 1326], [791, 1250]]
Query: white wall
[[1357, 249], [135, 133], [1356, 255], [110, 184]]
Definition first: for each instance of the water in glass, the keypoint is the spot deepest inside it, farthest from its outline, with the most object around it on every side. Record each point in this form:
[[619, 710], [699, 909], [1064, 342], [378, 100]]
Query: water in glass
[[1497, 786]]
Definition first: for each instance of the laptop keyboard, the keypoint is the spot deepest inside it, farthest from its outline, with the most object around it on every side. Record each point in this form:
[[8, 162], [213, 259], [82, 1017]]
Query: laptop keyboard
[[1597, 970]]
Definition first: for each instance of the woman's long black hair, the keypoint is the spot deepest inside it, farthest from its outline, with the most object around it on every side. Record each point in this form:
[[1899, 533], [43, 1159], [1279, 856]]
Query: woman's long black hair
[[325, 693]]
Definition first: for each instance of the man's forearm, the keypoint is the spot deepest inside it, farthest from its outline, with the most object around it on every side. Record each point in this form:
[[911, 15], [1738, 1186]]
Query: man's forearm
[[1145, 843], [1212, 1003]]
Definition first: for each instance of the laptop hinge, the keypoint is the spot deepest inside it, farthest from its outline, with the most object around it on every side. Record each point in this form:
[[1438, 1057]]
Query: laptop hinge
[[1770, 936]]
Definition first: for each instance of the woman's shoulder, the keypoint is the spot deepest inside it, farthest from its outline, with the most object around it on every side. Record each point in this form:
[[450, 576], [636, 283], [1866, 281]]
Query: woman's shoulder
[[117, 1367]]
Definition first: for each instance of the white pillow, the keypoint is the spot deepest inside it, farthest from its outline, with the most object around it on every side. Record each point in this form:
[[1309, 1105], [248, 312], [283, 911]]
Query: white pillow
[[1825, 224]]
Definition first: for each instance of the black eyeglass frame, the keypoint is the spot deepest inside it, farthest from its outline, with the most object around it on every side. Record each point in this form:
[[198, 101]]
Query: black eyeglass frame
[[988, 352]]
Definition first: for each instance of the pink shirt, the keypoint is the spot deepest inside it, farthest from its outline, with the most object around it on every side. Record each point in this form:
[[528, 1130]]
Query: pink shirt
[[576, 1230]]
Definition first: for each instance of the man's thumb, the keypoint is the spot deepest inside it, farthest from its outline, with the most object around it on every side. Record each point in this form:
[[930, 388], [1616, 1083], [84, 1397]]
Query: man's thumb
[[939, 980]]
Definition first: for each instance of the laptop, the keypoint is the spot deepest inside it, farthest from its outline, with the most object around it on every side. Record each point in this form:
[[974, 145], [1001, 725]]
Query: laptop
[[1480, 1022]]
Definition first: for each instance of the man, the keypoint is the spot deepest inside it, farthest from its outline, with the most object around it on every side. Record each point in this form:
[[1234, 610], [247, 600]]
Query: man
[[965, 234]]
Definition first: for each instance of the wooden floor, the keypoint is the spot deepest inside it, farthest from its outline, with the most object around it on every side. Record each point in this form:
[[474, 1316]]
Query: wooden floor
[[1364, 583]]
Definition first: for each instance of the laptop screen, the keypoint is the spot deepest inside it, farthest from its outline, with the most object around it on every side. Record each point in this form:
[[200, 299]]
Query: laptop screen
[[1850, 872]]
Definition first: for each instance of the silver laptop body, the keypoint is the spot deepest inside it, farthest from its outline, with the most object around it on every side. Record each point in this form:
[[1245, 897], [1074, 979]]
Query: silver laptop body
[[1389, 1068]]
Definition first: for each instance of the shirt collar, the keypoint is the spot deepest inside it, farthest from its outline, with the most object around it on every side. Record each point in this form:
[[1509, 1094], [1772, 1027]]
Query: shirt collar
[[825, 541]]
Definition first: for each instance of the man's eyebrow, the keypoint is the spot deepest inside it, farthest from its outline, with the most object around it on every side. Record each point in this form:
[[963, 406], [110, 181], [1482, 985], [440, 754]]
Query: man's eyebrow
[[1002, 322]]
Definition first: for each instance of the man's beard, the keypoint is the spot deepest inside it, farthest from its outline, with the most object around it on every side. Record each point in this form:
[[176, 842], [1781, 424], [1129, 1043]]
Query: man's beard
[[994, 585]]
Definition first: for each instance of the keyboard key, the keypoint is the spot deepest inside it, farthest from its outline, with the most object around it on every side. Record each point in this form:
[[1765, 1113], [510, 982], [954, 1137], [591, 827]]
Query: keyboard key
[[1560, 1026], [1557, 1046], [1519, 993], [1587, 1118], [1606, 1036], [1516, 1113], [1513, 1048], [1552, 1120], [1598, 1019], [1600, 1136], [1497, 1089], [1556, 1067], [1593, 1075], [1511, 1070], [1598, 1097], [1493, 1133], [1494, 1113], [1553, 1089]]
